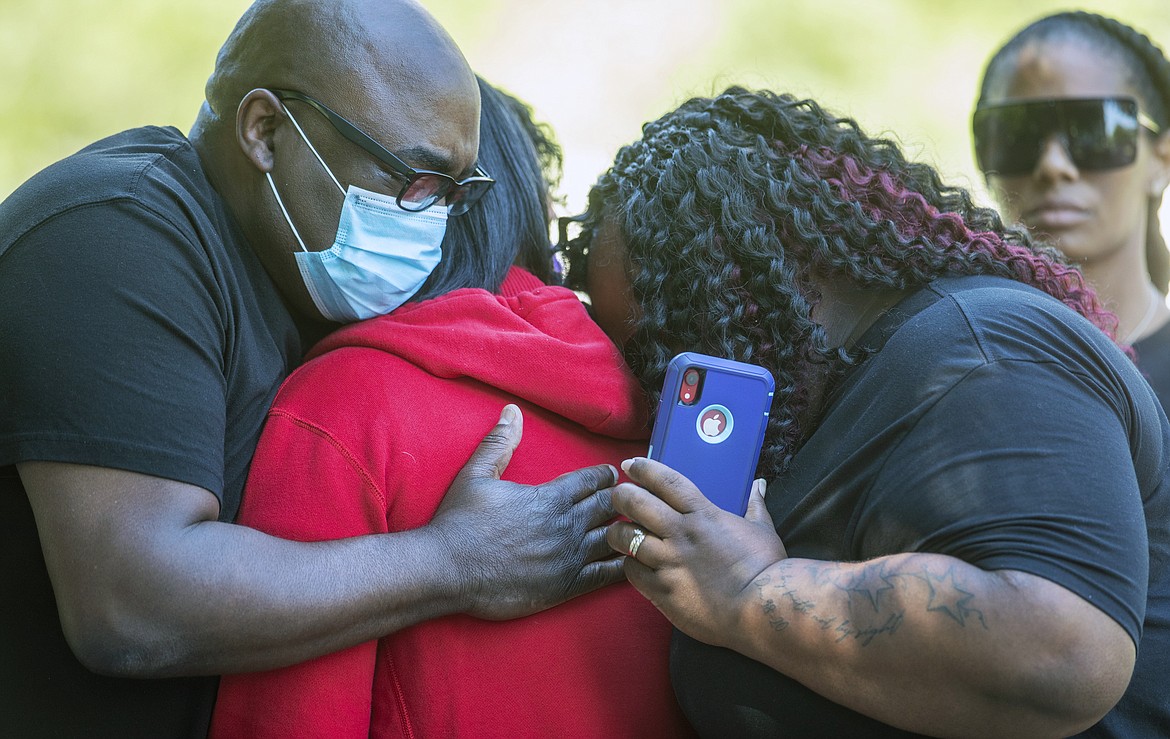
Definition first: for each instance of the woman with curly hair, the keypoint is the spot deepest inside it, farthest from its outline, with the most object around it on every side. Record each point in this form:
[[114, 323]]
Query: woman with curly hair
[[1071, 130], [966, 530]]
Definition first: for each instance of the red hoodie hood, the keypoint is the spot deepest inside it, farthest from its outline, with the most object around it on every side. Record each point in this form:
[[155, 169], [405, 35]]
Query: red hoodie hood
[[531, 340]]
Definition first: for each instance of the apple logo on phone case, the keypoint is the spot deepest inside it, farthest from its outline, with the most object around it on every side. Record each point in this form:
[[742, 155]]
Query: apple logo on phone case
[[714, 424]]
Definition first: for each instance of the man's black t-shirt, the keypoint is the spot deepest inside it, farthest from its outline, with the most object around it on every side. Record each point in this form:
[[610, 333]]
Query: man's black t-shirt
[[139, 332], [995, 426]]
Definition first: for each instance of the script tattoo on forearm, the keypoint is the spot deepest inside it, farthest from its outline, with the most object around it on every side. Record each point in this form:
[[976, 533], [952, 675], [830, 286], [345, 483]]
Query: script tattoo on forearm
[[871, 608]]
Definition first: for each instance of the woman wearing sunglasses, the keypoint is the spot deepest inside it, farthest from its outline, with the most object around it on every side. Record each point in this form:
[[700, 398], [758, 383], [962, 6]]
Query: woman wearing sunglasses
[[1071, 131], [392, 407]]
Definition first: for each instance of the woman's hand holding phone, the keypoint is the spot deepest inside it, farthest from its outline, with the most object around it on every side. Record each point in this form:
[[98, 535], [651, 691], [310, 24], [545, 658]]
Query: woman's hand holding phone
[[696, 562]]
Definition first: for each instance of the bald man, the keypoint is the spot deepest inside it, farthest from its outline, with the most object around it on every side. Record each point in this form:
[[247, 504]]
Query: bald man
[[155, 289]]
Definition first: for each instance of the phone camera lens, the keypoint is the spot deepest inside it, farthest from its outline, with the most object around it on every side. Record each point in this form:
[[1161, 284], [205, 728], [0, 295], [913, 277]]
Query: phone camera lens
[[691, 377]]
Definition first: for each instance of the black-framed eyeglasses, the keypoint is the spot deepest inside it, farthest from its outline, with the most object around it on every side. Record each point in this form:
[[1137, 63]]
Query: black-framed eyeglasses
[[1097, 133], [423, 187]]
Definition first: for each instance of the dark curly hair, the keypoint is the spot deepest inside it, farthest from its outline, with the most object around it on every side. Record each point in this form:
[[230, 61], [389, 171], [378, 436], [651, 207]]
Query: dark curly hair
[[1149, 74], [729, 205]]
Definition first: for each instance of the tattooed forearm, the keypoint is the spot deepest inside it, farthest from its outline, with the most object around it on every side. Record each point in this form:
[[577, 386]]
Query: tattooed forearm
[[946, 596], [848, 630], [775, 620], [878, 596]]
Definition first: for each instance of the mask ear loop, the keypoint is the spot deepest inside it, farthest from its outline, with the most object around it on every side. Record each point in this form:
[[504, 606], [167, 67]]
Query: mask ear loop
[[311, 147], [284, 210], [272, 185]]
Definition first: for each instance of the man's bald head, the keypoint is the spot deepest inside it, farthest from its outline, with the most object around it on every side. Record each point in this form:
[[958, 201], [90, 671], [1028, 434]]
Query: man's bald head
[[385, 65], [363, 56], [334, 47]]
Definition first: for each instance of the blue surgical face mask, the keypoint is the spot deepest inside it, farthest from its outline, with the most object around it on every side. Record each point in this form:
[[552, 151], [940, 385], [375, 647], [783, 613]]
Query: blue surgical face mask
[[380, 258]]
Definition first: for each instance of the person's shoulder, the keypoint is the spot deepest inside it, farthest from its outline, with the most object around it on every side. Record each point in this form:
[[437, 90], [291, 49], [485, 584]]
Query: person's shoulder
[[318, 396], [974, 321], [1017, 325], [1012, 318], [992, 295], [116, 166], [154, 167]]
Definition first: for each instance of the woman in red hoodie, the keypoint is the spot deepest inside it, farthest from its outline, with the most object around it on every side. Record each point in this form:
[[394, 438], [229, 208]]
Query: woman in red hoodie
[[369, 433]]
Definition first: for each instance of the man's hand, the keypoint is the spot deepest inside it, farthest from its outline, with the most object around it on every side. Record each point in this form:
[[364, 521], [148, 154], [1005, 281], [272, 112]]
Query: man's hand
[[524, 548], [696, 560]]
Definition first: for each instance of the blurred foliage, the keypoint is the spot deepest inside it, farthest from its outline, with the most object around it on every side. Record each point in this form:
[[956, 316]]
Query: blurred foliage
[[76, 70]]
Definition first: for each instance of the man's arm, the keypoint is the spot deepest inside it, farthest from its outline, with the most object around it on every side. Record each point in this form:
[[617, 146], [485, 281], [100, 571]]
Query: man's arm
[[924, 642], [149, 584]]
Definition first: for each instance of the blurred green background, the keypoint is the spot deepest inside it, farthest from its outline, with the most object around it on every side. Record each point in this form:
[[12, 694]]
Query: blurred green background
[[76, 70]]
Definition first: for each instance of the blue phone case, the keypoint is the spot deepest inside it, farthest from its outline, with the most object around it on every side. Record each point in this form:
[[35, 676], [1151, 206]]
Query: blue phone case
[[716, 440]]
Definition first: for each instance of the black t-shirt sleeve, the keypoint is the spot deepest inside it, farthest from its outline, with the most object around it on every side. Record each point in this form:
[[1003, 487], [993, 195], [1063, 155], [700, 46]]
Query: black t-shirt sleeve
[[112, 341], [1023, 466]]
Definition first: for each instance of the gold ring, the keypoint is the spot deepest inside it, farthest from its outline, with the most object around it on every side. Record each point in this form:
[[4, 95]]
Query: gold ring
[[639, 537]]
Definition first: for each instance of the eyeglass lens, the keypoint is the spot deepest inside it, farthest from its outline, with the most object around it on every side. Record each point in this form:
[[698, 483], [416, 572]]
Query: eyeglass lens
[[460, 197]]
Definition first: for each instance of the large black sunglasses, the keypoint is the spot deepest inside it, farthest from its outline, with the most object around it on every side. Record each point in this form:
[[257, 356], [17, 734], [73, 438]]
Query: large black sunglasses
[[1097, 133], [423, 187]]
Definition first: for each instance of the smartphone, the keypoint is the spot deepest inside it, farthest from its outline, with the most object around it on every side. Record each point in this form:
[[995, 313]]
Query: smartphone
[[710, 425]]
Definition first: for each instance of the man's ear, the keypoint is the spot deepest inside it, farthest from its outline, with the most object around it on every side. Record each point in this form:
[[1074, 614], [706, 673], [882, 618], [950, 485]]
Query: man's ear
[[1160, 178], [257, 118]]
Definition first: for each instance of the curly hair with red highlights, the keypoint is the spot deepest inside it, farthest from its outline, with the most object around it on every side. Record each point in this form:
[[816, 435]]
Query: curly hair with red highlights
[[729, 206]]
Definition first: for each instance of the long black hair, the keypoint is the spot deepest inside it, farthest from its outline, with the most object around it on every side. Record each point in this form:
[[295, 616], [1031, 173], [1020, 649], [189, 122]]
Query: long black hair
[[510, 225], [1149, 74], [729, 206]]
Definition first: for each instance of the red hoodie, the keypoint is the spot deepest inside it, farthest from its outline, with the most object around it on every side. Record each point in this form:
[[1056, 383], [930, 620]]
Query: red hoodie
[[367, 436]]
